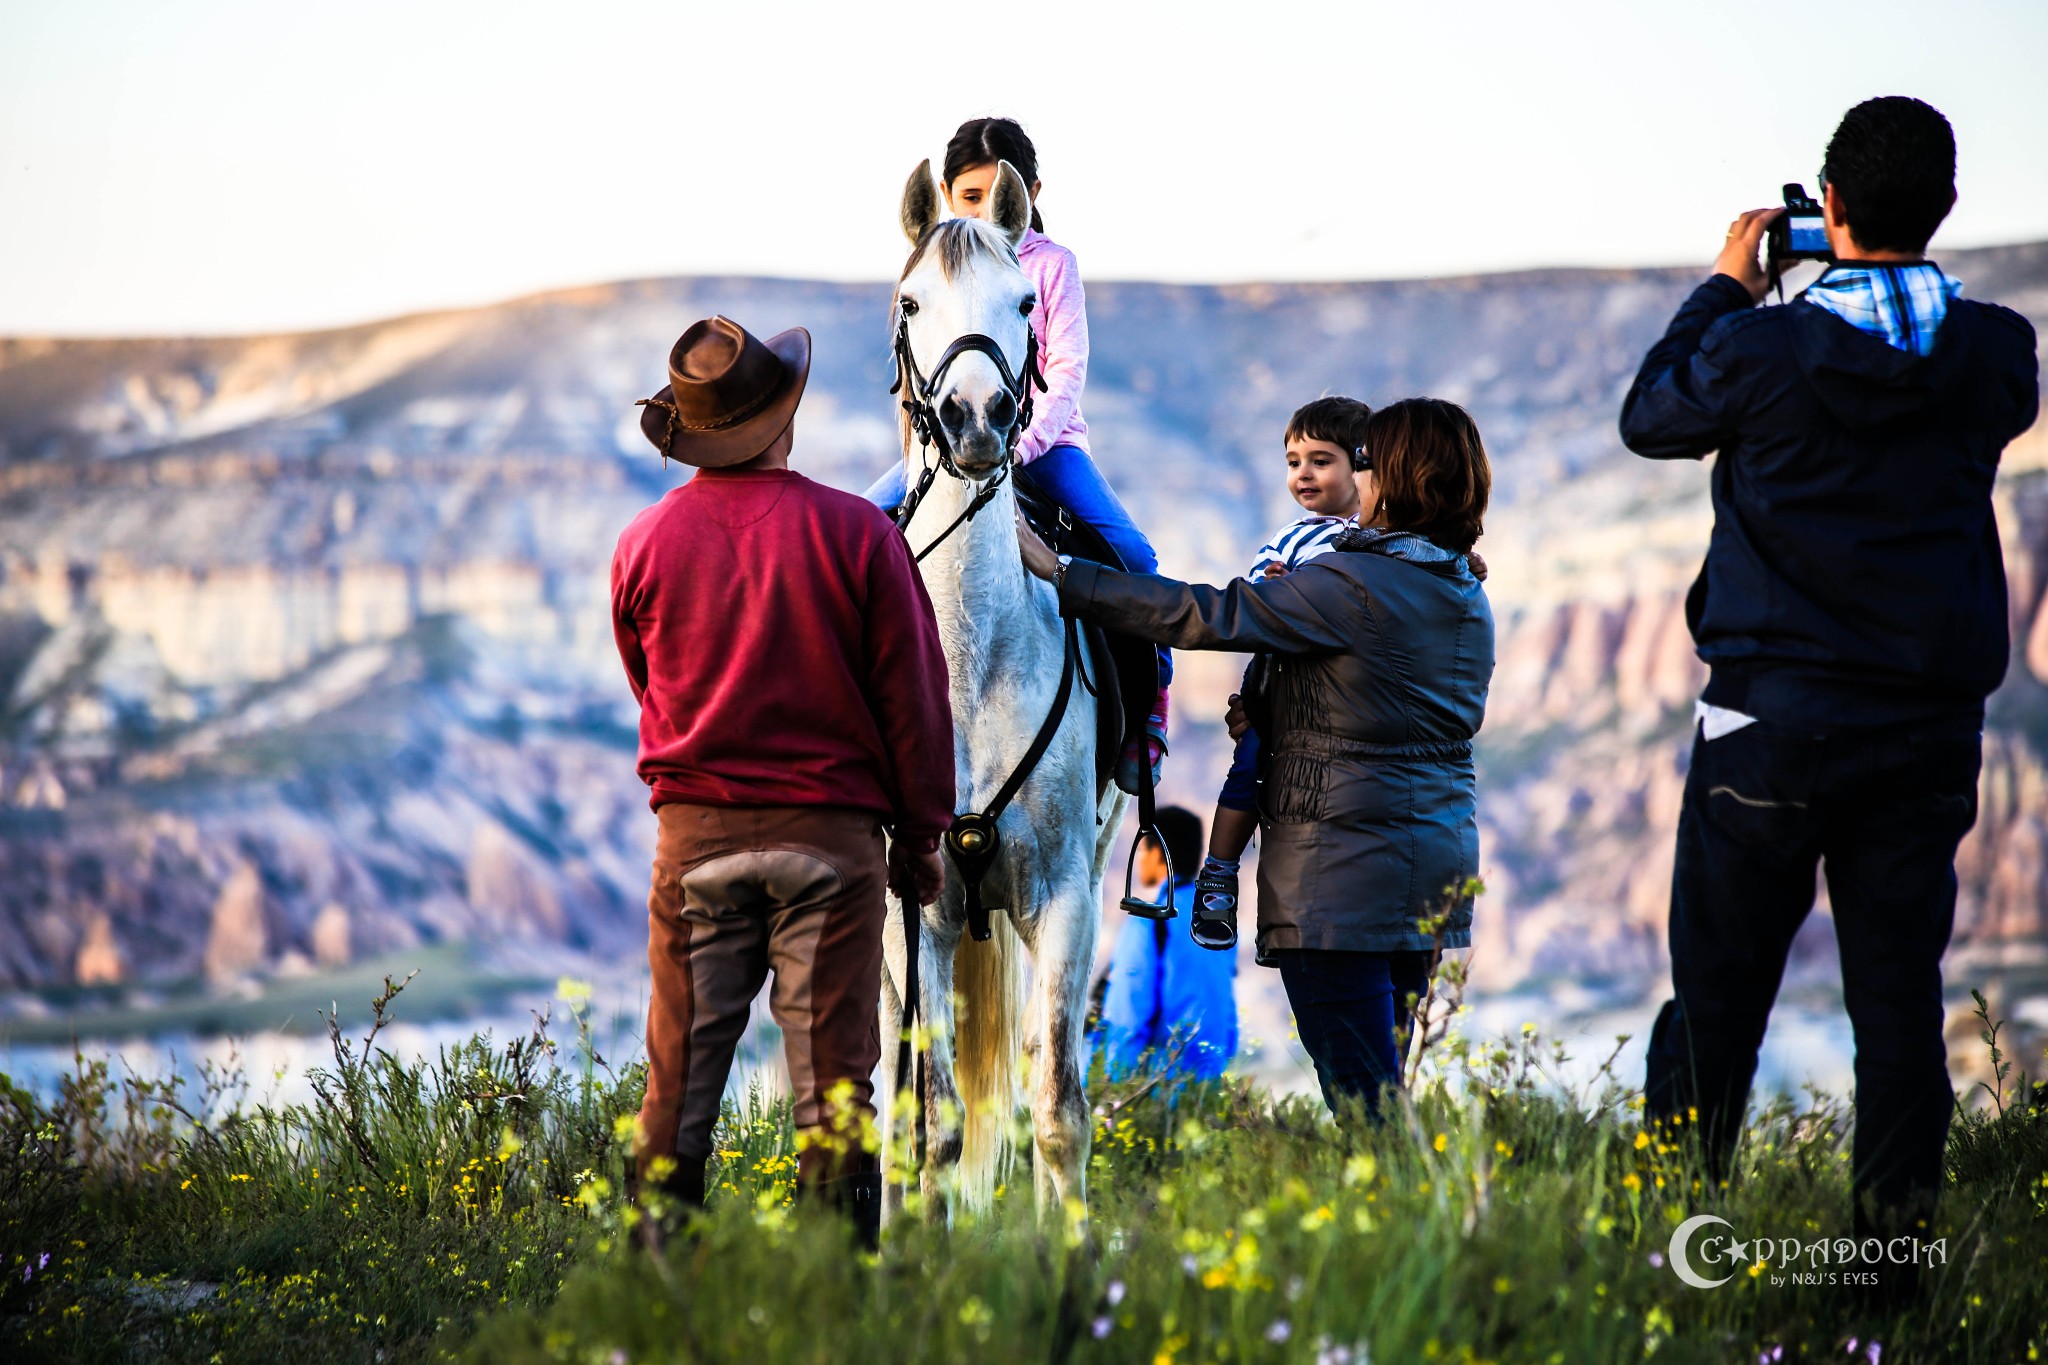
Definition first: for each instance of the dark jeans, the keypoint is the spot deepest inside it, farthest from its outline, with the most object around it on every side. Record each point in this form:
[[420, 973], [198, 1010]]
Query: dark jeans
[[1351, 1010], [1883, 811], [1241, 783]]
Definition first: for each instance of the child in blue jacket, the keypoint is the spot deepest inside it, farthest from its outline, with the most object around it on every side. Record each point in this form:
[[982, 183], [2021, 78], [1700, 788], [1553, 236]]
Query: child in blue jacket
[[1168, 1002]]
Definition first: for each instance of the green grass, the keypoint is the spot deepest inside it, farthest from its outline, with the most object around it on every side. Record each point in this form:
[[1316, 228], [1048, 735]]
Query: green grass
[[469, 1207]]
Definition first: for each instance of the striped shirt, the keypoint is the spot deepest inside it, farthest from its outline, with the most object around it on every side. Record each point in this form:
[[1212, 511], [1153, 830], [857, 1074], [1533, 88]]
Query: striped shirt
[[1903, 304], [1297, 543]]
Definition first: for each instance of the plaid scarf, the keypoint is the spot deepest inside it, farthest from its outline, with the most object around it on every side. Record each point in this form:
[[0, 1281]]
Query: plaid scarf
[[1904, 304]]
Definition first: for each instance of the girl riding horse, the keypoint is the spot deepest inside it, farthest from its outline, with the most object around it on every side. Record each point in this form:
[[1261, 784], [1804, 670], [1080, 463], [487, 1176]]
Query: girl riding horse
[[1052, 455]]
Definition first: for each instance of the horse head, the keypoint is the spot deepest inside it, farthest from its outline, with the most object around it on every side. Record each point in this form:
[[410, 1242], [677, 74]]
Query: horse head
[[963, 280]]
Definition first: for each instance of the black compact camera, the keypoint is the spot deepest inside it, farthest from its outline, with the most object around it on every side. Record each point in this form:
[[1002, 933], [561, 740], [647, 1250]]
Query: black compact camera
[[1799, 234]]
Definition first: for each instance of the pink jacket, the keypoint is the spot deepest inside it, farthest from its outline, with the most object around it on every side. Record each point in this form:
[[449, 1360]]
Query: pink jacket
[[1061, 321]]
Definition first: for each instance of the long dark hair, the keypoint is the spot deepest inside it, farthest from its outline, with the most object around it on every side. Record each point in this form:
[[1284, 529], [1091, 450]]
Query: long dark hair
[[985, 141]]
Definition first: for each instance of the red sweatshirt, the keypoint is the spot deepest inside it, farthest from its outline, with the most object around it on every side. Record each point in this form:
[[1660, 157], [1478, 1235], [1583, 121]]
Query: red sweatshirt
[[784, 653]]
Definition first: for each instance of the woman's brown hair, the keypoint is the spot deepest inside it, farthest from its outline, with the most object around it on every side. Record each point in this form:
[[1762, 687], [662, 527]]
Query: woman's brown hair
[[1433, 474]]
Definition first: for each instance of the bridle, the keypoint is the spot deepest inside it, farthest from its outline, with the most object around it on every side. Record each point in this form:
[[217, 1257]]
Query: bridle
[[972, 841], [919, 391]]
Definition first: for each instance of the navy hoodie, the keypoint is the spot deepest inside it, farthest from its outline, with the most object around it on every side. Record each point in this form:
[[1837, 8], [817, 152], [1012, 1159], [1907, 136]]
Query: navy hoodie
[[1854, 576]]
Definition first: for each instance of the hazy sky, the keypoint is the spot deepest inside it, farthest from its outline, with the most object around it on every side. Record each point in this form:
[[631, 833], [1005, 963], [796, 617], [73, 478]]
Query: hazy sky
[[167, 165]]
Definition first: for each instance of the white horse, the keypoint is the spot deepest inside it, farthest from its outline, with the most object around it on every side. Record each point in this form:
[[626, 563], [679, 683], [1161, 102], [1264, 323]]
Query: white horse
[[1004, 644]]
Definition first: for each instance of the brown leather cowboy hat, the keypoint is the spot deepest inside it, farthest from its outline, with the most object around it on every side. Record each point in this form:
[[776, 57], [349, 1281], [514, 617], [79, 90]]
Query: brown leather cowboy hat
[[728, 395]]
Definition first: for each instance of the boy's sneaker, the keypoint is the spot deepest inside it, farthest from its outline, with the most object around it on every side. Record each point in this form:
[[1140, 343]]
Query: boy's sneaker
[[1215, 918]]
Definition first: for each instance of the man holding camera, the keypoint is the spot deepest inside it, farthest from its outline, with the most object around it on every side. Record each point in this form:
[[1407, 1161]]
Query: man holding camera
[[1852, 614]]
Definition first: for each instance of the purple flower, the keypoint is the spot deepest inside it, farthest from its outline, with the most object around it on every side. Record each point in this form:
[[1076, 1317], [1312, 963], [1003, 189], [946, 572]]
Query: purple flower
[[1100, 1327], [1657, 1259], [1279, 1331], [1876, 1352], [1188, 1264], [1852, 1346], [1115, 1293]]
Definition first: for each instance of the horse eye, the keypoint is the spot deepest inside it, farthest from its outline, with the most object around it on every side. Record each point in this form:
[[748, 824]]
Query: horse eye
[[909, 307], [1025, 307]]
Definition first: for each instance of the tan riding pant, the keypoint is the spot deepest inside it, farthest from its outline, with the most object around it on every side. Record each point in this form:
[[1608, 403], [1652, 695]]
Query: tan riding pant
[[739, 894]]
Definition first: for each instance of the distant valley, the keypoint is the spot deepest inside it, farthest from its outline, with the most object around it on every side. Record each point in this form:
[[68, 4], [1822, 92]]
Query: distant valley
[[305, 656]]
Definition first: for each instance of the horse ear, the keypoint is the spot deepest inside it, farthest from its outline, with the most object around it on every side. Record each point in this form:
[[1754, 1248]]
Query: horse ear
[[920, 202], [1010, 206]]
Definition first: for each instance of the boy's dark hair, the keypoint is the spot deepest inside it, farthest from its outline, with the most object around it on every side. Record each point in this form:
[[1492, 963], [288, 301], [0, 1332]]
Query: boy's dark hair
[[1336, 419], [1432, 468], [985, 141], [1182, 830], [1893, 161]]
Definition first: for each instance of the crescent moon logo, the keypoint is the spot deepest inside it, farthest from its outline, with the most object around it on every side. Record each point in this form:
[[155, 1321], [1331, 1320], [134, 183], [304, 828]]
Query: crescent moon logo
[[1680, 1238]]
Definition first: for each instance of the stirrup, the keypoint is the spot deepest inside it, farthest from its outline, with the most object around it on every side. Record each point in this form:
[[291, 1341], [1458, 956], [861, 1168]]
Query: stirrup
[[1214, 924], [1135, 904]]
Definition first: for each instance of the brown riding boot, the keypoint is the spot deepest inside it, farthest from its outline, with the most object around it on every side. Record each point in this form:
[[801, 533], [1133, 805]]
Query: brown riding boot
[[666, 1205], [850, 1184]]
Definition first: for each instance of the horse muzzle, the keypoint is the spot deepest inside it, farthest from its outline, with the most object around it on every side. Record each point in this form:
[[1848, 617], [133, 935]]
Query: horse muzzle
[[980, 436]]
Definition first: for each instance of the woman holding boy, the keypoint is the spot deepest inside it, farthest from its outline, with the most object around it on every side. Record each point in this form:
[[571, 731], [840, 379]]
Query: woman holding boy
[[1327, 476], [1384, 652]]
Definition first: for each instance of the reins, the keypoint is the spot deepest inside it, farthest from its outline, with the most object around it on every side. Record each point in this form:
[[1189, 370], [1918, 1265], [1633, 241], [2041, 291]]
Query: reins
[[973, 842]]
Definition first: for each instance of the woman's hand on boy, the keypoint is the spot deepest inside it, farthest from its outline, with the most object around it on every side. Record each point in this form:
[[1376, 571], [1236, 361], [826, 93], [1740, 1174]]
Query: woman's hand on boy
[[1235, 718]]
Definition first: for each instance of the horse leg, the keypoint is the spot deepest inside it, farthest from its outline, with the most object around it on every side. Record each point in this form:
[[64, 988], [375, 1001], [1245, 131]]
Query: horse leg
[[896, 1136], [1059, 1105], [943, 1113]]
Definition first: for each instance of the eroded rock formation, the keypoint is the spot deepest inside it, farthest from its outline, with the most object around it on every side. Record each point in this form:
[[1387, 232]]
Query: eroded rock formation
[[305, 652]]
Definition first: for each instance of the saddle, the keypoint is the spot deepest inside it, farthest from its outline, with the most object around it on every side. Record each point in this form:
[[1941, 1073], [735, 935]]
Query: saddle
[[1126, 675]]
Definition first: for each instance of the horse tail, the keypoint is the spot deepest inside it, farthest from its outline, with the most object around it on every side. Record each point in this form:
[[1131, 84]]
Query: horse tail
[[988, 979]]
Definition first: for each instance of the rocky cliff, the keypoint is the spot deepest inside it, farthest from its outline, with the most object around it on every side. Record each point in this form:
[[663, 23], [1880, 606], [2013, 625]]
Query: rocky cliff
[[304, 650]]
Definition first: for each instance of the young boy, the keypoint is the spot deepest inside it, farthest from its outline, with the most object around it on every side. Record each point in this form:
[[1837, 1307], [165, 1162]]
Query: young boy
[[1329, 475]]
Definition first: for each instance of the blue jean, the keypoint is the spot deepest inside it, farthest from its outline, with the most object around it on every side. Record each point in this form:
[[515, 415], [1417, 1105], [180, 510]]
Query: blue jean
[[1241, 783], [1351, 1011], [1067, 476]]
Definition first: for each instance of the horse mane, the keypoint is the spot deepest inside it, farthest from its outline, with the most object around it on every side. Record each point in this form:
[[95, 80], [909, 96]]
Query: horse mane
[[959, 240]]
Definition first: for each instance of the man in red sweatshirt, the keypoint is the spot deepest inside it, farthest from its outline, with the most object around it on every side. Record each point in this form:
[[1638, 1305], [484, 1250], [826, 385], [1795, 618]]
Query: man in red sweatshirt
[[793, 707]]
